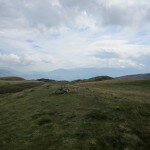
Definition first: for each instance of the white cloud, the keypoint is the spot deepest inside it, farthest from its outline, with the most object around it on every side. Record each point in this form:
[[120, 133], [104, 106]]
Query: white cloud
[[84, 21], [9, 58], [50, 34]]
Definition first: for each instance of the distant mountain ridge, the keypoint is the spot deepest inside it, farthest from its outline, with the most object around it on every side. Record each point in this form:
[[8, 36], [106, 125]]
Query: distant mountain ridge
[[73, 74], [86, 73], [7, 72]]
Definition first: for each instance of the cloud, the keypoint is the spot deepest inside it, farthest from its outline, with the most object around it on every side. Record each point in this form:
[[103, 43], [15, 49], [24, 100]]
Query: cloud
[[50, 34], [73, 49], [143, 60], [47, 13], [11, 58], [105, 54], [25, 59]]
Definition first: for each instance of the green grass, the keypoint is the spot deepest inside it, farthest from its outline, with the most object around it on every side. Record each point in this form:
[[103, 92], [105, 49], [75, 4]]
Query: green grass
[[12, 78], [100, 115], [13, 88]]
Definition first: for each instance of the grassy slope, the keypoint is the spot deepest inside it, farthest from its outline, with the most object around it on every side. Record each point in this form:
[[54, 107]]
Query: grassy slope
[[11, 78], [98, 115], [12, 86]]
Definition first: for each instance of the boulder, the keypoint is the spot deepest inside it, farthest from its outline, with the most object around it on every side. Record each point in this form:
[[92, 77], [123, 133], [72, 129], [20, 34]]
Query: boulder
[[62, 90]]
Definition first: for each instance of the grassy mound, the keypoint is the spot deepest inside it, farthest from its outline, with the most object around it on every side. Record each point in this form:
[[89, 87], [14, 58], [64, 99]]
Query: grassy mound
[[12, 78], [98, 78], [13, 87]]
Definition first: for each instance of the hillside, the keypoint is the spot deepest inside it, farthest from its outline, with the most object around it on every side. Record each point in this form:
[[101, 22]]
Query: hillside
[[97, 78], [137, 77], [110, 114], [12, 78]]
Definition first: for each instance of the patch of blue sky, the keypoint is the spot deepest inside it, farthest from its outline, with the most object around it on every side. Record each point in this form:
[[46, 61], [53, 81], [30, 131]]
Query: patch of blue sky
[[5, 48], [29, 41], [107, 31], [106, 55], [143, 39], [54, 36]]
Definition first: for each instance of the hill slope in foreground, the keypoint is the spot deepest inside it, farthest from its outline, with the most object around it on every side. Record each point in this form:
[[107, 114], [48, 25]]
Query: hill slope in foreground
[[111, 114]]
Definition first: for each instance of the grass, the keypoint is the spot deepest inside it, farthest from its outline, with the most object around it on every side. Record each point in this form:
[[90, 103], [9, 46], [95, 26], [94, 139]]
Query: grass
[[100, 115], [11, 78], [17, 86]]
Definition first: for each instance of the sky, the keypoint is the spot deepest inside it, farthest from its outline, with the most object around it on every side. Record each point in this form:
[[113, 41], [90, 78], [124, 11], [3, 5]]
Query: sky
[[44, 35]]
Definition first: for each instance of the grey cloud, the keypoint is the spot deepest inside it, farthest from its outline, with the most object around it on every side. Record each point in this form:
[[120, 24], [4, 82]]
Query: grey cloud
[[31, 13], [44, 13], [147, 15], [143, 60], [106, 14], [106, 54]]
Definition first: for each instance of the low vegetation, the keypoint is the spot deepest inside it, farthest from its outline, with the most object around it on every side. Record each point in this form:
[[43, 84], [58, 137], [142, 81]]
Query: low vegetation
[[13, 86], [12, 78], [98, 78], [112, 114]]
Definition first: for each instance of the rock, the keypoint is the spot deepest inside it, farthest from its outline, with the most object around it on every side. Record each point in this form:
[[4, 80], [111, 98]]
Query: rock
[[62, 90]]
